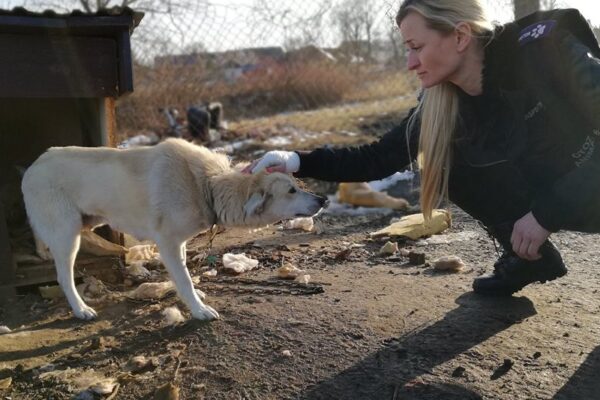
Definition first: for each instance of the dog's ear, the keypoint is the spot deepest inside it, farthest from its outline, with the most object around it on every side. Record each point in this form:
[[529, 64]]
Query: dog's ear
[[255, 204]]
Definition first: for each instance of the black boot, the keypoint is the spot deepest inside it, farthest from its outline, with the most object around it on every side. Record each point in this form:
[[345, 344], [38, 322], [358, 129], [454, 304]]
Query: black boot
[[512, 273]]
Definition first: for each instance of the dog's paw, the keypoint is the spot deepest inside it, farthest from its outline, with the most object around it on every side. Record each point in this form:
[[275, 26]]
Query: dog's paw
[[86, 313], [206, 314]]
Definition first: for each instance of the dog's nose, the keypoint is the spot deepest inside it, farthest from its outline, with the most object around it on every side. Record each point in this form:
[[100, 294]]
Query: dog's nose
[[323, 201]]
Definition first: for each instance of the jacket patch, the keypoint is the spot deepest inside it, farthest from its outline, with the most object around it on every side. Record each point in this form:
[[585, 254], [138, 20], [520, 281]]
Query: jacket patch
[[535, 31], [587, 150], [535, 110]]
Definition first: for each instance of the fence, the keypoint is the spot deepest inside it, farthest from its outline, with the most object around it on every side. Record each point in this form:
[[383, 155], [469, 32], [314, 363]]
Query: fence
[[262, 57]]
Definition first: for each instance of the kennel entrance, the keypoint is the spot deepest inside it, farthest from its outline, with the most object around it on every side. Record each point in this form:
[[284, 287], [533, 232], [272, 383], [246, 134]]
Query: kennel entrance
[[60, 75]]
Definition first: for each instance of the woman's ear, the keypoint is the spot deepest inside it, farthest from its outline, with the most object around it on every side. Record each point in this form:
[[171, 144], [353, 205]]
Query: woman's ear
[[463, 34]]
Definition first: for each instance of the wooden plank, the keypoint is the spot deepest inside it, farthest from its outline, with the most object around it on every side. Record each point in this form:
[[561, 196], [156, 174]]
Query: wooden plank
[[55, 66], [94, 25], [7, 263], [125, 64], [108, 123], [107, 269]]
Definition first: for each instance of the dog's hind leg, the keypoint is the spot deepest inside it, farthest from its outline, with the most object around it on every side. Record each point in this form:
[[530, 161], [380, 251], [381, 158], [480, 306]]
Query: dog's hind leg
[[183, 253], [171, 254], [64, 252], [64, 244], [41, 249], [56, 221]]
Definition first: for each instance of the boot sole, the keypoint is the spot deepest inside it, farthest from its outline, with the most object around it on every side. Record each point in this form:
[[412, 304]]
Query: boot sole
[[511, 291]]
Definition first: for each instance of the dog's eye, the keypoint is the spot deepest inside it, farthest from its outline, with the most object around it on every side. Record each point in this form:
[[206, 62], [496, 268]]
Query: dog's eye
[[292, 191]]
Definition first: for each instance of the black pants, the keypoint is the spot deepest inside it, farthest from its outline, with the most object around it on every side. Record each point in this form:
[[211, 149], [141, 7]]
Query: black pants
[[494, 195], [500, 194]]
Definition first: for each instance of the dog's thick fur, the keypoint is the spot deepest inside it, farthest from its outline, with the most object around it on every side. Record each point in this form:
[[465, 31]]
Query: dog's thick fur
[[167, 193]]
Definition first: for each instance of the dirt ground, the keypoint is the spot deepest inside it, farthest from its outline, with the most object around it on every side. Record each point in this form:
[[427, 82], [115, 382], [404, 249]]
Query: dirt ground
[[374, 327]]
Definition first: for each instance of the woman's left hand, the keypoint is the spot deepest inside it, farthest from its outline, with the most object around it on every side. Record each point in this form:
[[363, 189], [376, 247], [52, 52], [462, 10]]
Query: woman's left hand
[[527, 237]]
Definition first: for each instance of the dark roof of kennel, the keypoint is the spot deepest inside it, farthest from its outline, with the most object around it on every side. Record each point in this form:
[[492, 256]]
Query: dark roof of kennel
[[20, 19], [74, 54]]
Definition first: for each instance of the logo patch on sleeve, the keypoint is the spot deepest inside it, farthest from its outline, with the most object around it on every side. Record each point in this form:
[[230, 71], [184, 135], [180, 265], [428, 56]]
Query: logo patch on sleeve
[[535, 31]]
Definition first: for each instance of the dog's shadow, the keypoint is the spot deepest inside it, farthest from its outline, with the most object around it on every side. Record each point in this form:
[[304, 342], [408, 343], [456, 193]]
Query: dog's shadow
[[131, 332], [389, 372]]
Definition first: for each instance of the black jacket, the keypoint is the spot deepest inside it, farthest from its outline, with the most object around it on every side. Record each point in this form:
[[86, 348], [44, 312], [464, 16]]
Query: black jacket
[[540, 111]]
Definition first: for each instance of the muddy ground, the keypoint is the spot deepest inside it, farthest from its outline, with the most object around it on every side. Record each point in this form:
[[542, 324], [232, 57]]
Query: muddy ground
[[381, 328]]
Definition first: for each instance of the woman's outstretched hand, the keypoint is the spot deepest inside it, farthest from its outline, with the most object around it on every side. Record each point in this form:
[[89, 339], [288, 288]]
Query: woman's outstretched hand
[[527, 237], [275, 161]]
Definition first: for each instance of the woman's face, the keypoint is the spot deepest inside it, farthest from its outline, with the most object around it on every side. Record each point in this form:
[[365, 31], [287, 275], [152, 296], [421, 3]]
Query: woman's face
[[433, 55]]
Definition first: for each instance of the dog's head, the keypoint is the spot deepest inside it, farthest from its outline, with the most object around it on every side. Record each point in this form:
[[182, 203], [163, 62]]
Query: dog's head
[[276, 196]]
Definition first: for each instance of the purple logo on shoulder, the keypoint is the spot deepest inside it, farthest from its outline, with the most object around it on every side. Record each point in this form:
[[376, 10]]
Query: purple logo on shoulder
[[535, 31]]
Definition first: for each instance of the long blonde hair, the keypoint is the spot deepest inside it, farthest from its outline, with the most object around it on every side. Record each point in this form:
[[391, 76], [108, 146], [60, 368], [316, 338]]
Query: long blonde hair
[[438, 107]]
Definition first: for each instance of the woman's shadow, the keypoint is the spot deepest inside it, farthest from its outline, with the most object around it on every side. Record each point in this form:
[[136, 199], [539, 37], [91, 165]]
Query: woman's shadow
[[584, 384], [390, 372]]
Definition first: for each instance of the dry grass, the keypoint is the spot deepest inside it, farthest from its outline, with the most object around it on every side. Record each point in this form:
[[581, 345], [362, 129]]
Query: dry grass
[[347, 117], [274, 89], [382, 85]]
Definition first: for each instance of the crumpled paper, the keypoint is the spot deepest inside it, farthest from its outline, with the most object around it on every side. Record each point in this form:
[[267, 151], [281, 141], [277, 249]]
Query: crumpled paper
[[450, 263], [238, 263], [414, 226], [172, 316], [289, 271], [304, 223]]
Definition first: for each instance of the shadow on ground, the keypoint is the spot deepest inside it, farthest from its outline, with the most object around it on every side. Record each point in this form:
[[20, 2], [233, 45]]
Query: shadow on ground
[[390, 373], [584, 384]]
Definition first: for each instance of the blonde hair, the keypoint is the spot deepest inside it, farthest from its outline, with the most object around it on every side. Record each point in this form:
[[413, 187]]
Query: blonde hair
[[438, 107]]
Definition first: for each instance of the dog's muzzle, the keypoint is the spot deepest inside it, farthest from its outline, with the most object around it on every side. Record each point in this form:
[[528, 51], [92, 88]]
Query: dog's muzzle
[[323, 201]]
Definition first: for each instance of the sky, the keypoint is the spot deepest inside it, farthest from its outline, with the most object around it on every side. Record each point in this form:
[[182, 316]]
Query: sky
[[230, 24], [236, 24], [589, 8]]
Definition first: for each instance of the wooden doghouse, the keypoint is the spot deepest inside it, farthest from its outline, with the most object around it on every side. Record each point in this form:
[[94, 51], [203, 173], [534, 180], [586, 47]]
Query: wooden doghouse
[[60, 75]]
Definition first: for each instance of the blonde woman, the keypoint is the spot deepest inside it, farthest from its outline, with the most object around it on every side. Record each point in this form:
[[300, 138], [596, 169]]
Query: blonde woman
[[506, 128]]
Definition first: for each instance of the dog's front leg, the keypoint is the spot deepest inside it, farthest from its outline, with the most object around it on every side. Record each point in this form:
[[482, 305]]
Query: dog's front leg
[[171, 254]]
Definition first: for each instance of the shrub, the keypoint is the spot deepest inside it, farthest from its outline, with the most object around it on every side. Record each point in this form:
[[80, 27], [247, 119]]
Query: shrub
[[272, 89]]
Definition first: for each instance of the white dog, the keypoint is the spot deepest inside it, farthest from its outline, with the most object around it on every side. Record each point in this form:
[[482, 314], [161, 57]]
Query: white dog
[[167, 193]]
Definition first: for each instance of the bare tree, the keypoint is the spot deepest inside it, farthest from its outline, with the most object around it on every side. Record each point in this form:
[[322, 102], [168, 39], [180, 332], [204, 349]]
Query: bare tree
[[551, 4], [163, 29], [194, 48], [94, 5], [311, 27], [147, 6], [299, 29], [395, 40], [355, 19], [525, 7], [368, 19]]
